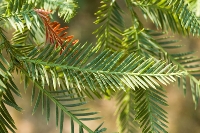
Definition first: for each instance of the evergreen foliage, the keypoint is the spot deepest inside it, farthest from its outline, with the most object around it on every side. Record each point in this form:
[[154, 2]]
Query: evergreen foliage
[[132, 63]]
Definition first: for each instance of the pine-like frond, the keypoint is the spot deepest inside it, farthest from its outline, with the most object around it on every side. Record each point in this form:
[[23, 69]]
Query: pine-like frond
[[109, 34], [125, 111], [149, 112], [67, 102], [106, 70], [102, 72], [173, 15], [186, 61], [7, 87], [155, 44]]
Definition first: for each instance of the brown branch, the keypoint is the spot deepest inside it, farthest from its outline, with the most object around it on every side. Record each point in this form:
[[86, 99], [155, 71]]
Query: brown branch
[[54, 33]]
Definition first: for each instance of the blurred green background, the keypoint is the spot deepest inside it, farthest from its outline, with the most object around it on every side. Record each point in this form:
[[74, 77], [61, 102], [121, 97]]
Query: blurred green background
[[183, 118]]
